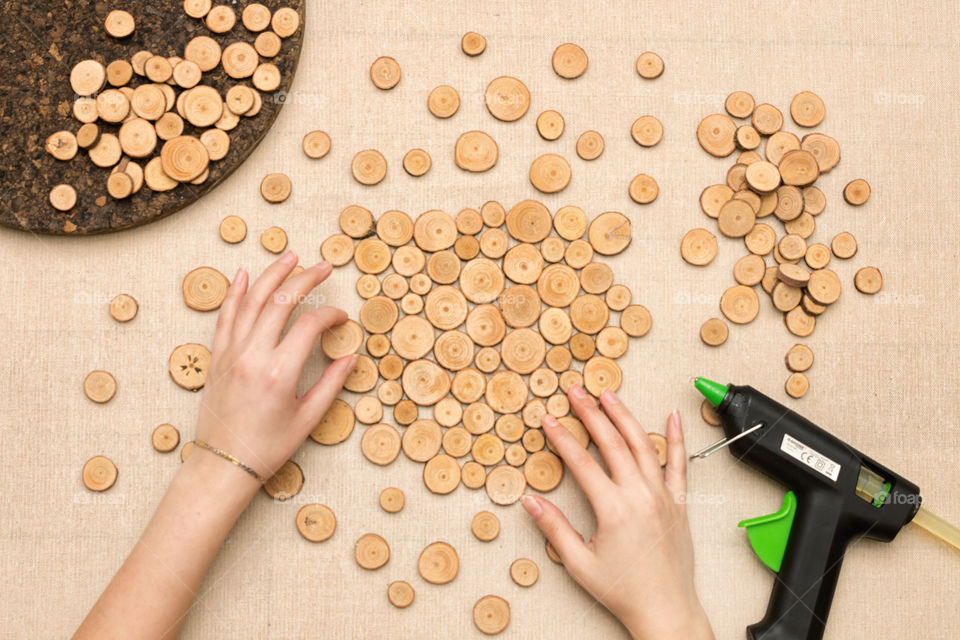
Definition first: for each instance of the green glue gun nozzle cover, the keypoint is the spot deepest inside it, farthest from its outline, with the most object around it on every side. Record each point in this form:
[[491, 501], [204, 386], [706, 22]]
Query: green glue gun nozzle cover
[[835, 494]]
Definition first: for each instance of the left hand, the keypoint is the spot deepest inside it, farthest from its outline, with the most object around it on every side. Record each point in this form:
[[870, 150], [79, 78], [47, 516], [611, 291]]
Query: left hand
[[250, 407]]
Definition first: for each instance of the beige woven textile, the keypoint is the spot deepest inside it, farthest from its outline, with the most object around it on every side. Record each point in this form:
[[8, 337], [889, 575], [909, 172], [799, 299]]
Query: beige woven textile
[[883, 378]]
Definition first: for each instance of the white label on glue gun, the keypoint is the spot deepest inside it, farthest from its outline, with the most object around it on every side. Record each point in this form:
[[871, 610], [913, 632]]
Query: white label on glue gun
[[810, 457]]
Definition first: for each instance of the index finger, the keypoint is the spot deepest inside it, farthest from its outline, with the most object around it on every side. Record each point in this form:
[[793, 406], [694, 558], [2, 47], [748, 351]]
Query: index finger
[[586, 471]]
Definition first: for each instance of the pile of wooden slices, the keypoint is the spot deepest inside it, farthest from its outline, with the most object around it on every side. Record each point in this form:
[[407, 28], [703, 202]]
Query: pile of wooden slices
[[474, 328], [156, 109], [780, 182]]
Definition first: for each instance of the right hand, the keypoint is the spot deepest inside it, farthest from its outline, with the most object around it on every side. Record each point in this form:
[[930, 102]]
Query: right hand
[[639, 563]]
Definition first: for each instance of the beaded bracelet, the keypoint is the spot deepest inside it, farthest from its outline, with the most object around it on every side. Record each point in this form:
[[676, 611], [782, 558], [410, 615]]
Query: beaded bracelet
[[226, 456]]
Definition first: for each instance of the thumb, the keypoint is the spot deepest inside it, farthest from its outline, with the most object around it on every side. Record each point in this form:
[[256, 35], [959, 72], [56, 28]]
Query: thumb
[[558, 530]]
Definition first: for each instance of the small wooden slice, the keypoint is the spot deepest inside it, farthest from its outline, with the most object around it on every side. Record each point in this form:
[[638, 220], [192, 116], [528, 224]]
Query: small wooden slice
[[543, 471], [807, 109], [400, 594], [385, 73], [274, 240], [441, 474], [475, 151], [123, 308], [524, 572], [716, 134], [824, 286], [438, 563], [767, 119], [797, 385], [550, 125], [188, 364], [204, 289], [99, 386], [507, 98], [473, 44], [643, 189], [868, 280], [646, 131], [799, 358], [609, 233], [857, 192], [550, 173], [659, 446], [590, 145], [491, 614], [485, 526], [649, 65], [371, 551], [714, 332], [569, 61], [740, 304], [286, 482], [380, 444], [369, 167], [165, 438], [505, 484], [844, 245], [443, 101], [699, 247], [316, 522], [342, 340], [99, 473], [739, 104], [316, 144], [336, 425]]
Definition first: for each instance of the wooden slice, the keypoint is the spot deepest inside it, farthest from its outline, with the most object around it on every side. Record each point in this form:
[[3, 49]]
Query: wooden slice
[[85, 109], [493, 214], [63, 145], [217, 143], [63, 197], [797, 385], [286, 482], [385, 73], [434, 230], [204, 289], [188, 365], [395, 286], [469, 221], [601, 373], [441, 474], [590, 145], [486, 325], [443, 267], [699, 247], [454, 350], [737, 177], [316, 522], [186, 450], [793, 275], [533, 440], [457, 441], [220, 19], [487, 449], [618, 297], [255, 17], [506, 392], [569, 61], [763, 176], [342, 340], [123, 308], [736, 218], [799, 168], [411, 304], [416, 162], [844, 245], [660, 447], [716, 135], [785, 297], [316, 144], [558, 405], [646, 131], [533, 413], [524, 572], [438, 563], [368, 410], [378, 345], [804, 225], [266, 77], [799, 322], [478, 418], [643, 189], [408, 260], [443, 101], [761, 239], [183, 158], [481, 281], [746, 137], [119, 23], [520, 304], [405, 412], [713, 198], [740, 304], [522, 351], [99, 386], [364, 376], [99, 473], [856, 192], [817, 256], [550, 125], [552, 249], [468, 385], [475, 151], [824, 286], [268, 44], [391, 500], [473, 44], [649, 65], [400, 594], [356, 221], [505, 484], [570, 222], [792, 247], [555, 326], [811, 307], [202, 106], [609, 233], [380, 444], [749, 270], [636, 321], [285, 22], [106, 152], [779, 144], [767, 119], [579, 253], [369, 167], [543, 471], [165, 438], [589, 313], [87, 136], [337, 249], [714, 332], [466, 247], [424, 382], [155, 178], [473, 475], [807, 109], [371, 551], [204, 51], [372, 255], [868, 280], [523, 263], [336, 425], [799, 358], [87, 77], [170, 125], [739, 104], [824, 148], [789, 203], [494, 243], [550, 173], [507, 98], [158, 69]]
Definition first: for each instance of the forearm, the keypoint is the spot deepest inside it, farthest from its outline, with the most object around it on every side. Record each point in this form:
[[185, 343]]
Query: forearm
[[153, 590]]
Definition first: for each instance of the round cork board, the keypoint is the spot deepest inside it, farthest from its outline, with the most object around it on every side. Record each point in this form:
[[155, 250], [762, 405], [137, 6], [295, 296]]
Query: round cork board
[[48, 47]]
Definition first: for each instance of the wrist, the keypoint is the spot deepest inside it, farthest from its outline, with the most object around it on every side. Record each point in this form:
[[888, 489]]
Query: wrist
[[688, 622], [207, 473]]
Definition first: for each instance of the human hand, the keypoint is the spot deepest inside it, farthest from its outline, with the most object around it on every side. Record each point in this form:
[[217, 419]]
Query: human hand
[[250, 407], [639, 563]]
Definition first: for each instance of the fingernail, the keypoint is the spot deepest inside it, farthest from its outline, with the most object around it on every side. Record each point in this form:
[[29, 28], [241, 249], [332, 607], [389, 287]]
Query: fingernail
[[674, 419], [577, 392], [353, 361], [532, 506], [609, 397], [289, 258], [549, 421], [241, 275], [323, 265]]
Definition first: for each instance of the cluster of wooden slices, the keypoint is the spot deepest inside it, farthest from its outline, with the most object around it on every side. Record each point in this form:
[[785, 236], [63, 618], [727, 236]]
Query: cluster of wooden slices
[[778, 182], [508, 99], [159, 103]]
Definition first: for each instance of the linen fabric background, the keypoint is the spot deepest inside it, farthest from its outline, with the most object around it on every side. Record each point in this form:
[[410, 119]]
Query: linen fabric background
[[883, 378]]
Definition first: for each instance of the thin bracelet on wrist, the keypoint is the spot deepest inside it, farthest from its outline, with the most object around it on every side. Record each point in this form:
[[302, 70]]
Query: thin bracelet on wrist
[[230, 458]]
